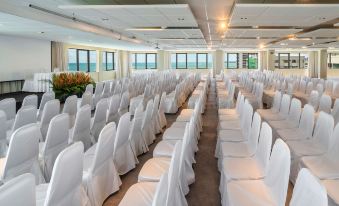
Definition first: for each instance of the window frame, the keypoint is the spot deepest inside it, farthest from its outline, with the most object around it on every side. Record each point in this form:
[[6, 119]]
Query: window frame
[[176, 60], [88, 70], [197, 61], [247, 59], [227, 60], [146, 61], [113, 61]]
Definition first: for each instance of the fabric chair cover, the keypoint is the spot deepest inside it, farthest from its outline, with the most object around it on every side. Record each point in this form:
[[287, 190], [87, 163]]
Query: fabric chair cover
[[314, 99], [82, 128], [335, 92], [89, 88], [30, 100], [162, 117], [99, 87], [51, 109], [3, 139], [284, 109], [329, 87], [9, 107], [23, 153], [293, 118], [106, 90], [65, 187], [272, 190], [335, 111], [139, 144], [308, 190], [155, 118], [18, 191], [325, 104], [47, 96], [99, 120], [100, 177], [124, 103], [26, 115], [124, 158], [70, 107], [113, 108], [146, 127], [56, 141], [86, 99]]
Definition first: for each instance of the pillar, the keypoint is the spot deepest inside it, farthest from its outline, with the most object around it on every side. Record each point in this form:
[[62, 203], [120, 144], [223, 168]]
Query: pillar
[[218, 62], [322, 62], [270, 60], [312, 64], [262, 60]]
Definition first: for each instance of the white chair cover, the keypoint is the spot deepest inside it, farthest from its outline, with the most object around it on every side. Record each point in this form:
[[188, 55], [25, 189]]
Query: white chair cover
[[139, 144], [51, 109], [9, 107], [86, 99], [124, 103], [3, 139], [56, 141], [146, 127], [113, 108], [272, 190], [293, 118], [100, 177], [18, 191], [99, 120], [325, 104], [47, 96], [23, 153], [314, 99], [308, 191], [70, 107], [124, 157], [99, 87], [82, 128], [30, 100], [89, 88], [65, 187]]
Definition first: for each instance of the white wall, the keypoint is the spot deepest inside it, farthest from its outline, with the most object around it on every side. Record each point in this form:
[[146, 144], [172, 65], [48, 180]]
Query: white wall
[[21, 57]]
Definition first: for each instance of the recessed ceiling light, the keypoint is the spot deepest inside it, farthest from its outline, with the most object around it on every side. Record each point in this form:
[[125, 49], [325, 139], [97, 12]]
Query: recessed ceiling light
[[181, 19], [304, 47], [243, 18], [313, 43], [105, 19], [258, 37], [41, 32], [331, 48], [261, 46]]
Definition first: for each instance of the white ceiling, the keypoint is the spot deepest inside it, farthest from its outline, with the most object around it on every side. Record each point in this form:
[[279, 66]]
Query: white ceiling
[[192, 24]]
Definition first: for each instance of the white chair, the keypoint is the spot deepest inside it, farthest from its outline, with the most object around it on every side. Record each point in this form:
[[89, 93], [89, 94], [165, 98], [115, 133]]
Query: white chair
[[56, 141], [139, 144], [293, 118], [99, 120], [9, 107], [275, 106], [65, 187], [3, 135], [305, 127], [85, 99], [162, 117], [308, 191], [271, 190], [329, 87], [82, 128], [124, 158], [113, 109], [26, 115], [99, 87], [314, 99], [335, 92], [335, 111], [89, 88], [47, 96], [318, 144], [124, 103], [325, 166], [325, 104], [284, 109], [242, 149], [249, 168], [30, 100], [155, 118], [51, 109], [70, 107], [228, 114], [106, 90], [146, 127], [23, 153], [100, 177], [18, 191]]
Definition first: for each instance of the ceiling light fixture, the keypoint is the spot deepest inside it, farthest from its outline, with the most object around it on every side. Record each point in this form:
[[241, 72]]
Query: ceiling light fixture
[[331, 48], [304, 47], [223, 25], [261, 46], [181, 19], [105, 19], [283, 44], [258, 37], [255, 27], [145, 29], [41, 32]]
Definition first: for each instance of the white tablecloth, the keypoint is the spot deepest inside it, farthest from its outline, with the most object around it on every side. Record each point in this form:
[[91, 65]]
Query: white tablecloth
[[39, 83]]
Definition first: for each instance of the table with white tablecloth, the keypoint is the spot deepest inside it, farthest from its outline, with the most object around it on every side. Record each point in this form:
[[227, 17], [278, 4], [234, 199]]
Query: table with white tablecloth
[[39, 83]]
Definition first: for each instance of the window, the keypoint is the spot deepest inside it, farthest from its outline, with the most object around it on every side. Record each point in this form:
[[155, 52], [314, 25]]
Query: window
[[108, 61], [191, 61], [250, 60], [144, 61], [291, 61], [202, 60], [232, 61], [333, 60], [82, 60]]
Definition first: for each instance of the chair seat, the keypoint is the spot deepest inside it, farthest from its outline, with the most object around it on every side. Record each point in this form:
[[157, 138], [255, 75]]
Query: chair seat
[[164, 148], [235, 149], [40, 194], [153, 169], [174, 133], [232, 124], [185, 115], [228, 117], [284, 124], [141, 194], [291, 134], [9, 123], [179, 124], [305, 148], [266, 112], [227, 112], [321, 167], [242, 168], [249, 192], [231, 136], [332, 189]]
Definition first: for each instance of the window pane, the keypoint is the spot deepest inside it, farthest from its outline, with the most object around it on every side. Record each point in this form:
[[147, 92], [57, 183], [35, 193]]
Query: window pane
[[253, 61], [191, 61], [133, 60], [173, 61], [294, 60], [151, 61], [202, 61], [72, 60], [83, 60], [141, 61], [93, 61], [110, 61], [303, 61], [335, 60], [210, 61], [232, 61], [283, 63], [104, 60], [181, 64]]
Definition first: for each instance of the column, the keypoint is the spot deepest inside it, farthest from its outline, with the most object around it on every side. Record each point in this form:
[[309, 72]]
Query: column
[[322, 61], [160, 60], [270, 59], [218, 62], [262, 64], [312, 64]]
